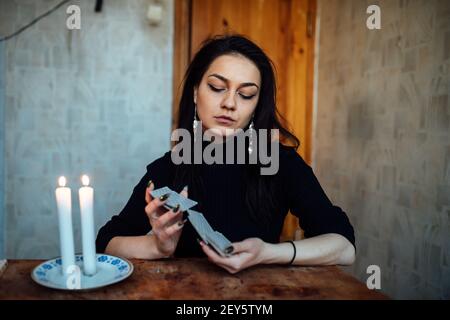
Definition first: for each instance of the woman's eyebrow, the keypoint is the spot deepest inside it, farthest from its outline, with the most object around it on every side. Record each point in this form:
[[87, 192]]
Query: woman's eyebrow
[[245, 84]]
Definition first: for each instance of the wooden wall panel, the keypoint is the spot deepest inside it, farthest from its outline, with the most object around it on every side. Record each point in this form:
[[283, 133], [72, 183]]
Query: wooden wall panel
[[284, 29], [181, 51]]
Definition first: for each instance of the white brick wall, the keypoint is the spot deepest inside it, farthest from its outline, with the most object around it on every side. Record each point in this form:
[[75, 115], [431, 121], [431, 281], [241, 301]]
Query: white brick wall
[[95, 100]]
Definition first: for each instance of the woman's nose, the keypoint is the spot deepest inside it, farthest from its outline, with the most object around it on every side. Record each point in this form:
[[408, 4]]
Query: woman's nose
[[229, 101]]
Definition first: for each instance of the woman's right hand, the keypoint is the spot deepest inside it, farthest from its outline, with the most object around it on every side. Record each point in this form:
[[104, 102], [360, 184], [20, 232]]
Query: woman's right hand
[[166, 224]]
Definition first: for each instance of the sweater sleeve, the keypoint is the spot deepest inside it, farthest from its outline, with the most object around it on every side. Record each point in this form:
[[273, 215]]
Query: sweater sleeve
[[132, 220], [308, 201]]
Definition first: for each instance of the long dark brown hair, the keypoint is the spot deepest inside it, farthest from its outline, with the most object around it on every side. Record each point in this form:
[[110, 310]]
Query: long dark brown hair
[[259, 194]]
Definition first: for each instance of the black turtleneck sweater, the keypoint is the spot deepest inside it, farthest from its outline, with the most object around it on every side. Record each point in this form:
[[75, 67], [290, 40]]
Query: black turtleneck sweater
[[223, 204]]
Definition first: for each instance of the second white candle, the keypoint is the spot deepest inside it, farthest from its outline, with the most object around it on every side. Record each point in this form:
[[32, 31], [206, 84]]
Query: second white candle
[[86, 196]]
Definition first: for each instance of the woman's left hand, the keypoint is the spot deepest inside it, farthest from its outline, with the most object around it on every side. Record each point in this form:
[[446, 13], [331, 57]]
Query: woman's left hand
[[245, 254]]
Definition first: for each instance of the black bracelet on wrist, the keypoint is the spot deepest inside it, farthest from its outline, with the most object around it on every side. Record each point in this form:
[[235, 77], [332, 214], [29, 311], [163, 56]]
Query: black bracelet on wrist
[[295, 252]]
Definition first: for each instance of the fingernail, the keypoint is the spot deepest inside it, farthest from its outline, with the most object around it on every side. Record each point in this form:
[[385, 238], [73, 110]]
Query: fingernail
[[185, 188], [181, 223], [164, 197], [149, 183], [176, 208]]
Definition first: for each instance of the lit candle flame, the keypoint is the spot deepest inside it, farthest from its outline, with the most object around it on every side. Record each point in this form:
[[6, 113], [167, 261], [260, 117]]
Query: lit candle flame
[[85, 180], [62, 181]]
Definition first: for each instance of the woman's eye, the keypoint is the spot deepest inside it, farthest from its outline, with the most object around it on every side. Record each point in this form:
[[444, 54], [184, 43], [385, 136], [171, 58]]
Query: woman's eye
[[246, 97], [214, 88]]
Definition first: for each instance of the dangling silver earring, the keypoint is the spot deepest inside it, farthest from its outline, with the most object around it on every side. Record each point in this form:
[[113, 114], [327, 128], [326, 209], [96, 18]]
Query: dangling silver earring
[[195, 123], [250, 143]]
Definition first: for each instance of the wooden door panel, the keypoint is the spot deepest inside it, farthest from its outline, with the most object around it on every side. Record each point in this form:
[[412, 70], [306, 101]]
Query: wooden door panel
[[284, 30]]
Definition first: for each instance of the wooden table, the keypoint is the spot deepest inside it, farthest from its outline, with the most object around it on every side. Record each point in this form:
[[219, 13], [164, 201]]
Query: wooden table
[[197, 278]]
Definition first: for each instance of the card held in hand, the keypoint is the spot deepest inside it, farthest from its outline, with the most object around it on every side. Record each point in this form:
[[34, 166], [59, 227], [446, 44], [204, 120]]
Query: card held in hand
[[214, 238], [173, 199]]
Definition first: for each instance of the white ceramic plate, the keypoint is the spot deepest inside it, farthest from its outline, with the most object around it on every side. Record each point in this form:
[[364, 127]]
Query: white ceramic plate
[[110, 269]]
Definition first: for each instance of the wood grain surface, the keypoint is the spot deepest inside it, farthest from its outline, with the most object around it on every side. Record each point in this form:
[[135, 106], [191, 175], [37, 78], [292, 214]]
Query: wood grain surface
[[198, 279]]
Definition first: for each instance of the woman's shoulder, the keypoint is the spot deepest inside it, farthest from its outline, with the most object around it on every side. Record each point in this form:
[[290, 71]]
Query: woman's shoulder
[[161, 163], [292, 166], [291, 159]]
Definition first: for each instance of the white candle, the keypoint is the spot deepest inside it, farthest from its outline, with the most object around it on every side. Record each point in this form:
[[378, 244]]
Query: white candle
[[86, 195], [64, 204]]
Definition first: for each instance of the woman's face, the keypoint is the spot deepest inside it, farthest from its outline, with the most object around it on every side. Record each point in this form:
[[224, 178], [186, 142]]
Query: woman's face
[[228, 93]]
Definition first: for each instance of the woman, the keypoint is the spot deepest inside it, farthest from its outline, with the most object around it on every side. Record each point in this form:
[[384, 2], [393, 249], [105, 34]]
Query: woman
[[230, 84]]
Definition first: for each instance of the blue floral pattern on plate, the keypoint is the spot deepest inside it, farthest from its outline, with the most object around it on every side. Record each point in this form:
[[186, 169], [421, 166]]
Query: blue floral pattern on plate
[[110, 269]]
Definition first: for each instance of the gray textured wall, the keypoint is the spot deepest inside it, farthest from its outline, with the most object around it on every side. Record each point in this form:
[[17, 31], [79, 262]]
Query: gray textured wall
[[2, 152], [382, 140], [95, 101]]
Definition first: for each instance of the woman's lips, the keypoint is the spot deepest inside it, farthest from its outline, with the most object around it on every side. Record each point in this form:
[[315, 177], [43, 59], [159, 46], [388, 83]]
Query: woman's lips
[[224, 120]]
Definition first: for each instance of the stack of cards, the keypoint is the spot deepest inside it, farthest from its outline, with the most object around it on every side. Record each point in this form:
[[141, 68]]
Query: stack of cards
[[214, 238], [217, 240], [174, 199]]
